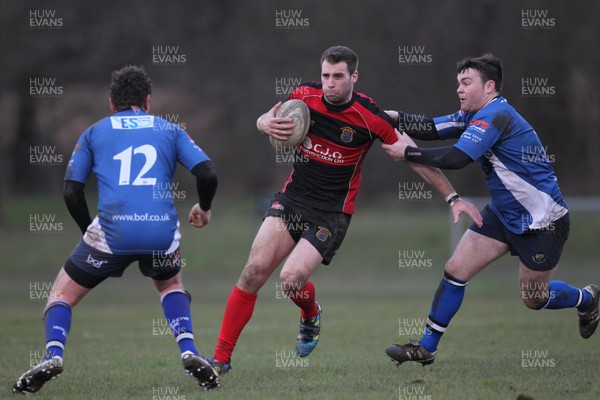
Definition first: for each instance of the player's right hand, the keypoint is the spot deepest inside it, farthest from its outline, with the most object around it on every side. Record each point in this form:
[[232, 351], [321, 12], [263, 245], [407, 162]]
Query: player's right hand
[[198, 217], [461, 206], [396, 150], [270, 125]]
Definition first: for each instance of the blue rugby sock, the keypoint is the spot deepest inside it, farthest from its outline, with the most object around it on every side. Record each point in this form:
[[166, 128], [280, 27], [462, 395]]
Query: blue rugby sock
[[176, 307], [563, 295], [57, 323], [586, 301], [446, 302]]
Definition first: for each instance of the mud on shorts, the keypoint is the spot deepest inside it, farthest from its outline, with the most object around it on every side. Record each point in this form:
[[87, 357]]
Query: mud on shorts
[[325, 230], [89, 267], [537, 249]]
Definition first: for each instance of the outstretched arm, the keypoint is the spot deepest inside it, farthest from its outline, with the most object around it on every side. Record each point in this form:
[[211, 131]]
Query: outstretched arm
[[437, 179], [449, 157], [416, 126]]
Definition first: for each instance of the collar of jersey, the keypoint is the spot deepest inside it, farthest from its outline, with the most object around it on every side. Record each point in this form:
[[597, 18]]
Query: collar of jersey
[[340, 107], [498, 98], [130, 111]]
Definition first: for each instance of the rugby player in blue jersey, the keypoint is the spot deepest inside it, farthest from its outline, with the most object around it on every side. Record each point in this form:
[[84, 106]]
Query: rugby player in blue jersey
[[133, 155], [527, 215]]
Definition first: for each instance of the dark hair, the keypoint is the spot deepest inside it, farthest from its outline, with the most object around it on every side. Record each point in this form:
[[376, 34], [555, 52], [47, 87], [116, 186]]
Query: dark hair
[[129, 87], [488, 65], [336, 54]]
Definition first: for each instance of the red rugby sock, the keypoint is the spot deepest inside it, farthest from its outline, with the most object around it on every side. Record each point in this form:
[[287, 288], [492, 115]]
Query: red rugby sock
[[305, 299], [238, 312]]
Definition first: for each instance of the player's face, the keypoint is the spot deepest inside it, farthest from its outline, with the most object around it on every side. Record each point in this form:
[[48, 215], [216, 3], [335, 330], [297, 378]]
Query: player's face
[[473, 92], [337, 81]]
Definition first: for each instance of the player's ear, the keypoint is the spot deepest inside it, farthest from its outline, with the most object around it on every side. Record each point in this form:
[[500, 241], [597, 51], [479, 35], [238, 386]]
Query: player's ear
[[112, 105], [354, 76], [146, 105], [490, 86]]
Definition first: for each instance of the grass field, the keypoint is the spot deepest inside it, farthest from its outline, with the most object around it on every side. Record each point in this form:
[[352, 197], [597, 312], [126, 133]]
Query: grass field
[[118, 348]]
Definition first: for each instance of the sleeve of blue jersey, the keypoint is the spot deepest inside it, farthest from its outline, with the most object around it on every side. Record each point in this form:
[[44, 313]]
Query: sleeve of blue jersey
[[188, 152], [81, 162], [479, 137], [450, 126]]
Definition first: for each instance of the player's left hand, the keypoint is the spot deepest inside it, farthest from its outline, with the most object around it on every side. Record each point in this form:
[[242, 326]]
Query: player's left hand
[[198, 217], [396, 150], [461, 206]]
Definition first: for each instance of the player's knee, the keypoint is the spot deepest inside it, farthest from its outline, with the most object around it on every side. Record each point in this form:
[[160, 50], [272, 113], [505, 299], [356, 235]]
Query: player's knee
[[55, 303], [290, 281], [535, 295], [181, 290], [452, 267], [252, 278], [62, 296], [535, 303], [169, 285]]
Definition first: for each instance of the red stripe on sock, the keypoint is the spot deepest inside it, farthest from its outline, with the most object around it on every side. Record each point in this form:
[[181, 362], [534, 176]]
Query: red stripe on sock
[[305, 299], [238, 311]]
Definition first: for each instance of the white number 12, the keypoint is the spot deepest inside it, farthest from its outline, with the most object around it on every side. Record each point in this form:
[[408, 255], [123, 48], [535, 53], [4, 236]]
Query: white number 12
[[125, 157]]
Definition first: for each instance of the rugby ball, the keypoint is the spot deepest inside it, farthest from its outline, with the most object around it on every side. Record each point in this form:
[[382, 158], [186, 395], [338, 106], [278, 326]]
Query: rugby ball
[[299, 112]]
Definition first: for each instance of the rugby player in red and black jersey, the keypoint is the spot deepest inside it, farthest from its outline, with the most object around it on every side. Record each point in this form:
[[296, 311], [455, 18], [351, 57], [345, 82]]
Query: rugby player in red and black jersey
[[308, 219]]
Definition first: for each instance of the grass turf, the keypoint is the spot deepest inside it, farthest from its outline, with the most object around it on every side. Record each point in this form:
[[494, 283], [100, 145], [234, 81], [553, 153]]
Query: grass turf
[[118, 348]]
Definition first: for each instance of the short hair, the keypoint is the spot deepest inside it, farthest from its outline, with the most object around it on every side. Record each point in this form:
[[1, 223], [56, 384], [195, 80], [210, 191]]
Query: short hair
[[336, 54], [488, 65], [129, 87]]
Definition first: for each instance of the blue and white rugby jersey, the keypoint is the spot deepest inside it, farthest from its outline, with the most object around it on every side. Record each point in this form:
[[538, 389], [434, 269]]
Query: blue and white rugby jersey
[[523, 188], [134, 156]]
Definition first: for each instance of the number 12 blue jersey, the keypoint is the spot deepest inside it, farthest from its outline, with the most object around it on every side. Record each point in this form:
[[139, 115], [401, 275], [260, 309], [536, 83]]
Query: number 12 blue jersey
[[134, 156]]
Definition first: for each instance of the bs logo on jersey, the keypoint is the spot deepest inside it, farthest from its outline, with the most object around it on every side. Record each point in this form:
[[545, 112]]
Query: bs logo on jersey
[[347, 134]]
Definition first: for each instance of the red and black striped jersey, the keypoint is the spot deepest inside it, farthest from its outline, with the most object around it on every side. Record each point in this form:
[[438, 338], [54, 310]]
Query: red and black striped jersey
[[328, 175]]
